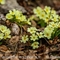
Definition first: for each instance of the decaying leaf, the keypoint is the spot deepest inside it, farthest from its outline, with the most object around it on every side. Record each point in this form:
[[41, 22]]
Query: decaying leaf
[[14, 40], [33, 23], [14, 58], [1, 55], [3, 48]]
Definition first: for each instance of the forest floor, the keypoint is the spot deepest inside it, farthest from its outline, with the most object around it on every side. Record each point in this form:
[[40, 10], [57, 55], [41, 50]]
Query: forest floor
[[14, 50]]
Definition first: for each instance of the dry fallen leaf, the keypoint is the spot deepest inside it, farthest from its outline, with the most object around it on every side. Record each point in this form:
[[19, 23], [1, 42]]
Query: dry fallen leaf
[[14, 40], [21, 53], [33, 23], [3, 48], [1, 55], [8, 23], [41, 49], [25, 27], [56, 3], [14, 58]]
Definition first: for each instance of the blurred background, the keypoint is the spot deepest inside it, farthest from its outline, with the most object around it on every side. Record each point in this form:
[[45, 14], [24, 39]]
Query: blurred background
[[29, 5]]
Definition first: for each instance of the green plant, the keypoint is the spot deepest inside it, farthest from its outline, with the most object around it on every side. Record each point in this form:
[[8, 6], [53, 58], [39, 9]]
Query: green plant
[[48, 19], [17, 17], [33, 37], [4, 33], [2, 1], [45, 15]]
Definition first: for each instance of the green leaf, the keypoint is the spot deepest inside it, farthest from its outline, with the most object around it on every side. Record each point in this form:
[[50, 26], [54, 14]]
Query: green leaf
[[56, 33], [42, 23], [0, 43]]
